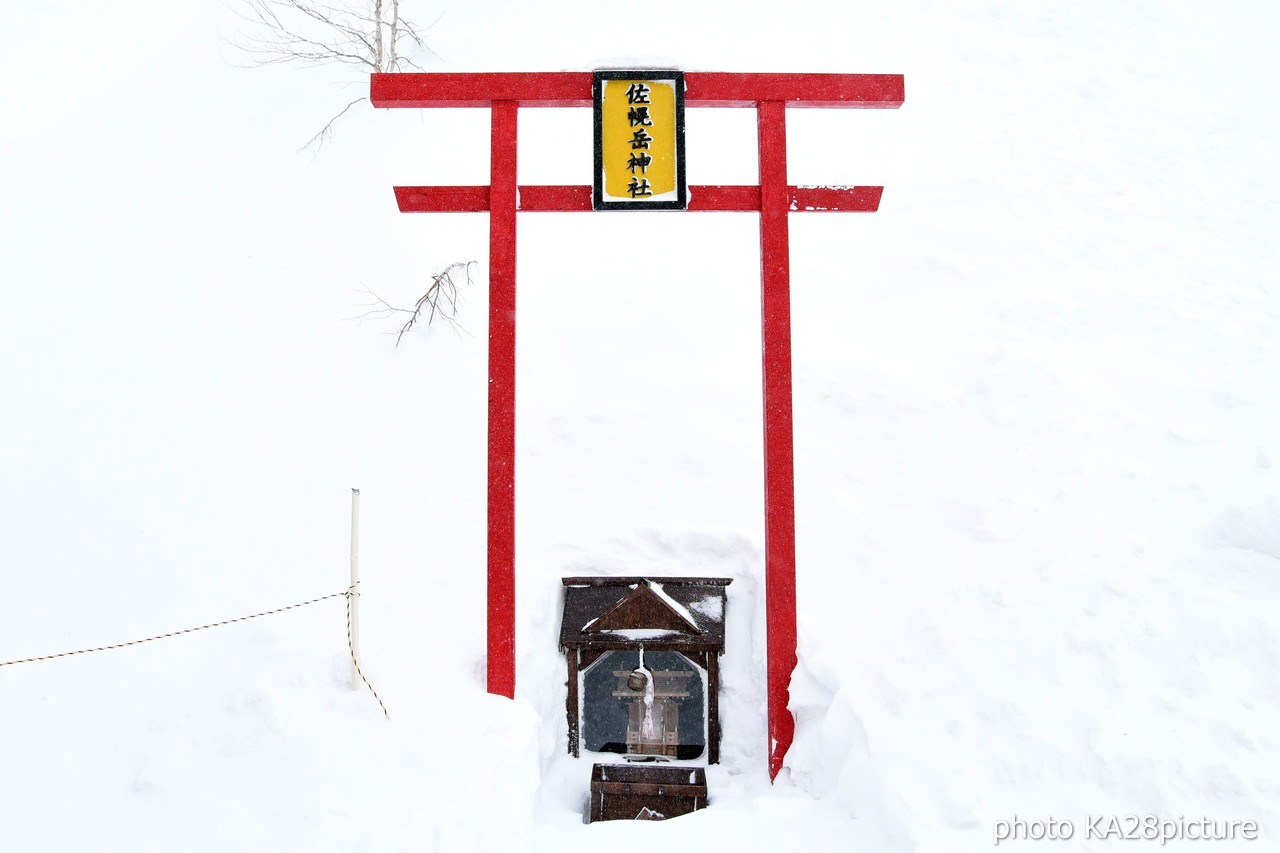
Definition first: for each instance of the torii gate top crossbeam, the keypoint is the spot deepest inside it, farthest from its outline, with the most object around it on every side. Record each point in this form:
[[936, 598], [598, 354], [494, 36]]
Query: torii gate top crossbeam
[[702, 89]]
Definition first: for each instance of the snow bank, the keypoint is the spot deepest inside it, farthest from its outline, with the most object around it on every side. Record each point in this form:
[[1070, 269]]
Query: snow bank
[[1035, 414]]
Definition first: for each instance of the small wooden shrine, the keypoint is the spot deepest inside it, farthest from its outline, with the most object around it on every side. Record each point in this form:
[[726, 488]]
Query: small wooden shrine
[[643, 661]]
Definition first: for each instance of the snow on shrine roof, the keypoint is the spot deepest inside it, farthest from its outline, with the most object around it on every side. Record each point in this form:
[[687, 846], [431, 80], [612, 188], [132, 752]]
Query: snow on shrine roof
[[660, 613]]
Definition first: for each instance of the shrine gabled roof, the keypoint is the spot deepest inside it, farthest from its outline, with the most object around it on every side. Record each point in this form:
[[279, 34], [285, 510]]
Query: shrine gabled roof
[[658, 613]]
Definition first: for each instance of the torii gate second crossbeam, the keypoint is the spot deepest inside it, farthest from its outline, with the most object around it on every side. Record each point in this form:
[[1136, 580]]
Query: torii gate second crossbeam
[[770, 95]]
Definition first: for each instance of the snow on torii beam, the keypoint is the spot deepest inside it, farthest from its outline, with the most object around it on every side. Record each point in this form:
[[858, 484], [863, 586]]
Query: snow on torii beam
[[770, 94]]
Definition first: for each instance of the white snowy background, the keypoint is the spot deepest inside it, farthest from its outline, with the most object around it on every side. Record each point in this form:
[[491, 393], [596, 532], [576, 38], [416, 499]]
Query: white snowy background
[[1037, 430]]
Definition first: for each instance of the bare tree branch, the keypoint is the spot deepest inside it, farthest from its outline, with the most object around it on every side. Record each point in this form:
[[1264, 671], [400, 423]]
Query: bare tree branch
[[395, 29], [361, 33], [439, 300], [367, 34], [326, 132], [315, 32]]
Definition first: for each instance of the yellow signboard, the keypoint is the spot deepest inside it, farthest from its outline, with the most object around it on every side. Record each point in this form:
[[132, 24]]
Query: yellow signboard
[[639, 150]]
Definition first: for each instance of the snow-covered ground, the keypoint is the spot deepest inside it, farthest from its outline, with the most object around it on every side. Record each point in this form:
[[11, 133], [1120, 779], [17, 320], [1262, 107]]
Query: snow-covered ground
[[1037, 431]]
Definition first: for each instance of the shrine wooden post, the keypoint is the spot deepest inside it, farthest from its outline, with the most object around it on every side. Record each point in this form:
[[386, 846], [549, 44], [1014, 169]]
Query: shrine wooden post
[[770, 94]]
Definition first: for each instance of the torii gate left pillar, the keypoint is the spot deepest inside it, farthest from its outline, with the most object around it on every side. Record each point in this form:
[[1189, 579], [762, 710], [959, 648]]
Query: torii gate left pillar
[[770, 95]]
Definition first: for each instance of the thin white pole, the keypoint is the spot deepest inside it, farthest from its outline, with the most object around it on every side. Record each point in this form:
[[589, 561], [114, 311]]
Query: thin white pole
[[355, 589]]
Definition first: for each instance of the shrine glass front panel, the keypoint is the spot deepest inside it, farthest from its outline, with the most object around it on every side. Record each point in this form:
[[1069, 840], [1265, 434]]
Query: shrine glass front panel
[[658, 708]]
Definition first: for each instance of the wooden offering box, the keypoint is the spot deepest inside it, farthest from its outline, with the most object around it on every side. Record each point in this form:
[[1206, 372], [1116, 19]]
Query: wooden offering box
[[645, 791]]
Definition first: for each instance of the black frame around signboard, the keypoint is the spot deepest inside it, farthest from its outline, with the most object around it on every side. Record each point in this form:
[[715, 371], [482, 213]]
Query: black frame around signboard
[[681, 201]]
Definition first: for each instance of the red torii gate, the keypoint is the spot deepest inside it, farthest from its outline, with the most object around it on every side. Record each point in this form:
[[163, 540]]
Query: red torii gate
[[770, 94]]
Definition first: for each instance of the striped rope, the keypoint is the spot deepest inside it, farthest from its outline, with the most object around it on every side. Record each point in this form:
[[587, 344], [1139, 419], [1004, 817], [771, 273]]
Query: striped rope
[[351, 594], [348, 594]]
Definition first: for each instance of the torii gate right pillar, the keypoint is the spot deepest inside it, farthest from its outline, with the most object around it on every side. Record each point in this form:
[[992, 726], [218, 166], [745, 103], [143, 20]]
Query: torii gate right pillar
[[779, 435]]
